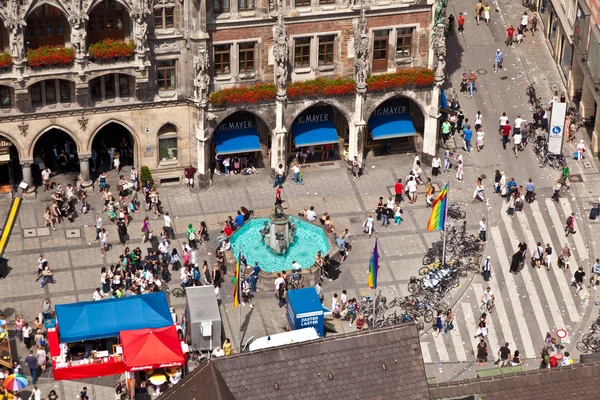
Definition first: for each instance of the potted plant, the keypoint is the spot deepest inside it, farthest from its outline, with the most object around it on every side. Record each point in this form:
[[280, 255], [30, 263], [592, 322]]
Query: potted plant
[[5, 60], [109, 49], [146, 175], [50, 56]]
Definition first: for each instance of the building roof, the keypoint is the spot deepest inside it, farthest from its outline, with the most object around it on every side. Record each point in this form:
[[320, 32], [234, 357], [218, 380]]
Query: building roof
[[374, 364], [205, 382], [577, 381]]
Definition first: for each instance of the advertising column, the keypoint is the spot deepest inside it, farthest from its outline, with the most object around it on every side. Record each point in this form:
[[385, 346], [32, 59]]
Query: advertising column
[[557, 127]]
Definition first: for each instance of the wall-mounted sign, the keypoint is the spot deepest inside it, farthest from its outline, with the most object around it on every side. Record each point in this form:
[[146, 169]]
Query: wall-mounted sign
[[391, 110], [315, 114], [5, 146], [235, 125], [147, 148]]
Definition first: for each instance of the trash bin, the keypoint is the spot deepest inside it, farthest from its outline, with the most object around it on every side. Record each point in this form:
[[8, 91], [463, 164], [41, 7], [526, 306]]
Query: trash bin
[[3, 267]]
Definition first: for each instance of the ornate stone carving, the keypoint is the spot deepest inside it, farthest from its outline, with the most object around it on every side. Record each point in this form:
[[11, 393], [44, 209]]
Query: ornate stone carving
[[77, 20], [275, 6], [438, 42], [361, 53], [281, 56], [15, 24], [201, 78], [23, 127], [139, 15], [83, 159], [26, 164], [83, 121]]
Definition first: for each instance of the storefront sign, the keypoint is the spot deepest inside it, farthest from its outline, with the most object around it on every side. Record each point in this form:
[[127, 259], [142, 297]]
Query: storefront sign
[[309, 319], [5, 146], [304, 119], [235, 125], [557, 126], [391, 110]]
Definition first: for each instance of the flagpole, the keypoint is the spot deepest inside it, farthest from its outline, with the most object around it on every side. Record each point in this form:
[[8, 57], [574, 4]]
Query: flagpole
[[444, 225], [376, 249], [238, 281]]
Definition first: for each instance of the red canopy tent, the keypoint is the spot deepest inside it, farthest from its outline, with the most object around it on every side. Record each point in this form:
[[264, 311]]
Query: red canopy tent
[[154, 348]]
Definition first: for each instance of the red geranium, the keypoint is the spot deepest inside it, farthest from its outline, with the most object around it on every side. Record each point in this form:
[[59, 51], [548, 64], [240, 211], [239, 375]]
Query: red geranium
[[5, 60], [418, 77], [244, 94], [49, 56], [108, 49]]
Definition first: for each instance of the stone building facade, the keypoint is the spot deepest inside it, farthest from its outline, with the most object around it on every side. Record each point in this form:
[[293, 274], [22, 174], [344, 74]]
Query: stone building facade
[[154, 96]]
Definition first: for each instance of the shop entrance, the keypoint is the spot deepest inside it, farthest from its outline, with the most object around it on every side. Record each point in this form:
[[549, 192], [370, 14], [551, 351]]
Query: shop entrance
[[240, 143], [56, 150], [10, 168], [316, 134], [112, 139], [395, 126]]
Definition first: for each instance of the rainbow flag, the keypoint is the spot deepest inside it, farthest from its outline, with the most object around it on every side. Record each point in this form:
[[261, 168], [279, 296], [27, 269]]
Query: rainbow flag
[[374, 267], [238, 283], [437, 220]]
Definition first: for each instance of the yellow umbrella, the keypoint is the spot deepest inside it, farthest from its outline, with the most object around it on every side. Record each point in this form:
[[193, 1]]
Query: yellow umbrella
[[158, 379]]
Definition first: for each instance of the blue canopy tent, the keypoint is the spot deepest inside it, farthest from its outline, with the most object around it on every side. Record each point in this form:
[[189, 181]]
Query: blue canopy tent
[[106, 318], [314, 133], [237, 141], [391, 126]]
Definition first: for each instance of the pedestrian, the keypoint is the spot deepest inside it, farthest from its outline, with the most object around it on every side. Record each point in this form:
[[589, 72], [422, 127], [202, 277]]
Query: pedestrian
[[448, 323], [547, 256], [188, 173], [297, 174], [27, 335], [564, 257], [83, 394], [556, 190], [529, 191], [356, 168], [368, 225], [487, 269], [524, 21], [31, 362], [36, 393], [447, 158], [534, 21], [47, 275], [459, 171], [505, 135], [511, 204], [516, 359], [246, 293], [570, 225], [516, 261], [478, 193], [46, 309], [579, 276], [503, 356], [517, 143], [510, 33], [411, 186], [169, 225], [42, 358], [486, 13], [498, 59], [98, 226], [450, 30], [478, 11], [436, 163], [397, 214], [468, 133], [564, 178], [472, 80], [519, 34], [482, 327], [437, 327], [580, 150], [446, 128], [482, 353], [483, 230], [279, 174], [461, 22], [103, 241]]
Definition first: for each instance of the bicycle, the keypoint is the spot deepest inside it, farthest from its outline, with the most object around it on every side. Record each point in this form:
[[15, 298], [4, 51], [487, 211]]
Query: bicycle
[[530, 4], [557, 161], [589, 344], [456, 213]]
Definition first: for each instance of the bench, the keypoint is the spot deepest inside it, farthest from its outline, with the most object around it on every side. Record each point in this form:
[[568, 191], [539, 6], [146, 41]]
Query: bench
[[484, 373]]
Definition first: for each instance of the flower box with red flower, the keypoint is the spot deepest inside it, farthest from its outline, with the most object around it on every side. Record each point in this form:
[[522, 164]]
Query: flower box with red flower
[[5, 60], [50, 56], [110, 49], [410, 77]]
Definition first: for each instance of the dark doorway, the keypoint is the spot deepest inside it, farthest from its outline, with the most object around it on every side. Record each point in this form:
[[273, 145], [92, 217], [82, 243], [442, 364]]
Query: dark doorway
[[57, 150], [111, 140]]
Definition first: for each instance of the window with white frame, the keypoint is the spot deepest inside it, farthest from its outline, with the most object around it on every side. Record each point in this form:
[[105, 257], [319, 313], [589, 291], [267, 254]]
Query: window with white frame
[[404, 42], [167, 143], [302, 52], [326, 49]]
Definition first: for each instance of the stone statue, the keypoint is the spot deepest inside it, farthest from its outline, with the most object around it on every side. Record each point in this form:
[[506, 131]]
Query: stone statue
[[15, 24], [139, 12], [78, 37], [201, 79], [281, 55], [275, 6], [361, 52]]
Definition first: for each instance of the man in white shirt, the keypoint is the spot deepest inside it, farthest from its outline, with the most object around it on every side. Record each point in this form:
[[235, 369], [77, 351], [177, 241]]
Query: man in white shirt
[[415, 160], [279, 281], [169, 225], [518, 140], [46, 179], [334, 302], [311, 215], [36, 393], [518, 124], [40, 265], [163, 248], [97, 295], [436, 163], [134, 177], [502, 121], [295, 266], [411, 185]]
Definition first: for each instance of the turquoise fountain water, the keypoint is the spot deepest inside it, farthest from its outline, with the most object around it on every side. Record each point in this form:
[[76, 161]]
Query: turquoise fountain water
[[307, 241]]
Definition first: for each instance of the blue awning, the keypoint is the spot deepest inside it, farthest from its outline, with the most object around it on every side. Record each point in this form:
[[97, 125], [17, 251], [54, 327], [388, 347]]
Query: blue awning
[[106, 318], [314, 133], [391, 126], [237, 141]]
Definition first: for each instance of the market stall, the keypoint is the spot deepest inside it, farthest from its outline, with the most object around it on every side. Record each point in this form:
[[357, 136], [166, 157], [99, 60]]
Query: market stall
[[84, 339]]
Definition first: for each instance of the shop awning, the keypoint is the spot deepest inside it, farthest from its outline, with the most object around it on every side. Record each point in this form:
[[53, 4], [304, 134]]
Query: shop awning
[[314, 133], [391, 126], [106, 318], [237, 141], [145, 349]]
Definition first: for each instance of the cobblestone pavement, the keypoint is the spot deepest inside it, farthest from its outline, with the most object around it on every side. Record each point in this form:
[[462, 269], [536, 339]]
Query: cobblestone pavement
[[528, 305]]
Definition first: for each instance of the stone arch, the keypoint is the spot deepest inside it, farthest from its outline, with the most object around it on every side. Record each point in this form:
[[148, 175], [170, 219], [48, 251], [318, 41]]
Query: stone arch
[[94, 3], [263, 118], [15, 141], [318, 102], [39, 79], [389, 96], [90, 141], [46, 129], [38, 3]]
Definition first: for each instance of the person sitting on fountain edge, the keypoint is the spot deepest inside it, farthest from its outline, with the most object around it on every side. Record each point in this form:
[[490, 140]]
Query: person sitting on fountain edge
[[309, 214], [239, 219], [296, 267]]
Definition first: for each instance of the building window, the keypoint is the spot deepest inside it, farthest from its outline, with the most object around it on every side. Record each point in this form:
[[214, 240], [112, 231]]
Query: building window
[[109, 86], [245, 5], [592, 56], [50, 92], [404, 42], [105, 87], [302, 3], [5, 103], [221, 6], [246, 57], [166, 76], [106, 21], [123, 86], [302, 52], [45, 27], [163, 17], [380, 48], [326, 2], [326, 49], [222, 57], [167, 143]]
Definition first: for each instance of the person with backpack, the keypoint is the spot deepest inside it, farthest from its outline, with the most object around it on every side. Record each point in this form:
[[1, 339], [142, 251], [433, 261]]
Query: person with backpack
[[570, 225], [579, 276]]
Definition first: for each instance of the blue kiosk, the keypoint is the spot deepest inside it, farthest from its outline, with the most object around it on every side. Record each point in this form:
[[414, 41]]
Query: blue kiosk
[[304, 310]]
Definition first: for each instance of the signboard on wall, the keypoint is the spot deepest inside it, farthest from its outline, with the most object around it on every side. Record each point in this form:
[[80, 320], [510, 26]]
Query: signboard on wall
[[557, 127], [315, 114], [5, 146]]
